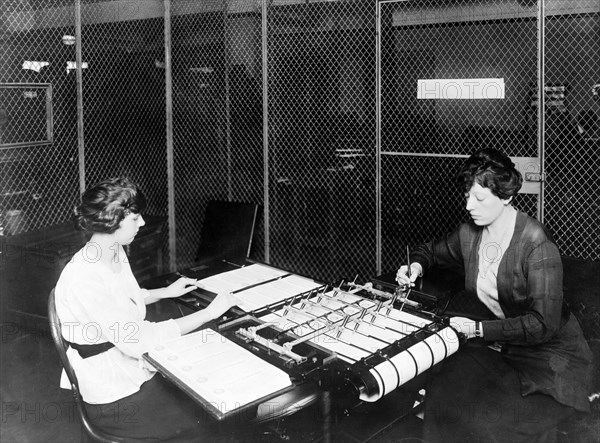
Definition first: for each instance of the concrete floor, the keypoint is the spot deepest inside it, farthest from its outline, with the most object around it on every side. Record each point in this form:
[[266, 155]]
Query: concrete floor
[[34, 408]]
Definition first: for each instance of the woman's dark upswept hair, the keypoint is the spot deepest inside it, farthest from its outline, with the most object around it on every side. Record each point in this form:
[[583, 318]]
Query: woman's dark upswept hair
[[106, 204], [491, 169]]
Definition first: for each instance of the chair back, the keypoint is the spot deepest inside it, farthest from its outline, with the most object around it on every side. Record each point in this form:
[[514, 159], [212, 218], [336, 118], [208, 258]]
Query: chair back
[[59, 342], [94, 433], [227, 230]]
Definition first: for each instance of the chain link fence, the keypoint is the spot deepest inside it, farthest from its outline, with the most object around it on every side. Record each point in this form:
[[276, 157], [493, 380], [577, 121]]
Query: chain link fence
[[39, 181], [321, 79], [124, 128], [217, 111], [290, 89], [425, 138], [572, 129]]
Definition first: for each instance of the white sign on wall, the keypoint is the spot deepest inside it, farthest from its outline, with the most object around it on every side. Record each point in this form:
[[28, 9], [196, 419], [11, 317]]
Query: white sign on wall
[[460, 89]]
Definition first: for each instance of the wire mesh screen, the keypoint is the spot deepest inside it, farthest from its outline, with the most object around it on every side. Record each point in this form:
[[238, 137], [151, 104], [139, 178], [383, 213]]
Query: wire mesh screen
[[322, 116], [572, 143], [414, 190], [573, 130], [39, 181], [424, 137], [123, 99], [321, 80], [217, 112]]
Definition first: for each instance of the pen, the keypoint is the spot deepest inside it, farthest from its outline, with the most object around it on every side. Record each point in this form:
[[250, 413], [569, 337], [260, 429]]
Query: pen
[[407, 273], [408, 260]]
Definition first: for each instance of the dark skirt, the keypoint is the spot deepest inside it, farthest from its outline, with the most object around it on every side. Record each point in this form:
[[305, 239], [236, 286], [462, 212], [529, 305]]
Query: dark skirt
[[160, 411], [475, 396], [157, 412]]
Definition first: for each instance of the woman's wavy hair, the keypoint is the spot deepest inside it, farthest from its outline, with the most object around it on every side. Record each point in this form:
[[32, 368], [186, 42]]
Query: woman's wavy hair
[[491, 169], [106, 204]]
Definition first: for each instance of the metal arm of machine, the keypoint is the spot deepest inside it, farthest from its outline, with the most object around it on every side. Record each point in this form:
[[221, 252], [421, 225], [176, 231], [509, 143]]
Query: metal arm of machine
[[251, 334], [369, 288]]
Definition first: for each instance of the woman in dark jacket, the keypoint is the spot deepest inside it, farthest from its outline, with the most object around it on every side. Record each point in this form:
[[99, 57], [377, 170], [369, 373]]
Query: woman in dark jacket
[[542, 373]]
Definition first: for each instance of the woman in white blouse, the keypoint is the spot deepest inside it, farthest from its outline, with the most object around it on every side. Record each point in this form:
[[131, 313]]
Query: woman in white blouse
[[102, 310]]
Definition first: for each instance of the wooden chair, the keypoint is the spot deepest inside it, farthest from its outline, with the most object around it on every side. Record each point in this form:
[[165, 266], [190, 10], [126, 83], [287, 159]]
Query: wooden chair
[[93, 432]]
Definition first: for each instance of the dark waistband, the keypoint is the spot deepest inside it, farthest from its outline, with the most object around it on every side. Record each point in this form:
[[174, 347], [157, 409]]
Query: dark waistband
[[87, 351]]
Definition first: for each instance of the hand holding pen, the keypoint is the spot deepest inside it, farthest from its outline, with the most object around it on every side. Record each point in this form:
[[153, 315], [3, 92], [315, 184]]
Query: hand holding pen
[[407, 275]]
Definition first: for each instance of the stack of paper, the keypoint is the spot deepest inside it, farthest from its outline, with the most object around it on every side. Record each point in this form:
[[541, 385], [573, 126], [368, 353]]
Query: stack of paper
[[220, 374], [241, 278], [259, 285]]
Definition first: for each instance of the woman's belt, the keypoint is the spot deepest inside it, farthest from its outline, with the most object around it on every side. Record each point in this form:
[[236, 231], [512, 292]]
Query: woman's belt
[[86, 351]]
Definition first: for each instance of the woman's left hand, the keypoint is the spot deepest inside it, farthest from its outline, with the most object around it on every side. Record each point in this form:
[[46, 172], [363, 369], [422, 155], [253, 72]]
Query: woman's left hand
[[464, 325]]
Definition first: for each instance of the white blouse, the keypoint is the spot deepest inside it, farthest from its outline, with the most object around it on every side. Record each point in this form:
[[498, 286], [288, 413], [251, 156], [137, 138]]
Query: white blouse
[[490, 256], [96, 305]]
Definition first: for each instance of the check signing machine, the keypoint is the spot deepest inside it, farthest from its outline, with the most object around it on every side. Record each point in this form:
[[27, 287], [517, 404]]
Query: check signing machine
[[295, 340]]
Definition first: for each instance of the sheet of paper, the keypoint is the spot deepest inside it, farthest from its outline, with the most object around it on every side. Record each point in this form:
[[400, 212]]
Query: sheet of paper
[[275, 291], [240, 278], [220, 371]]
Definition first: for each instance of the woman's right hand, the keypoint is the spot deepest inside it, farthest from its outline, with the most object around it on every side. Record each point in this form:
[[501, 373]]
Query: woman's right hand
[[219, 306], [222, 303], [402, 275]]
